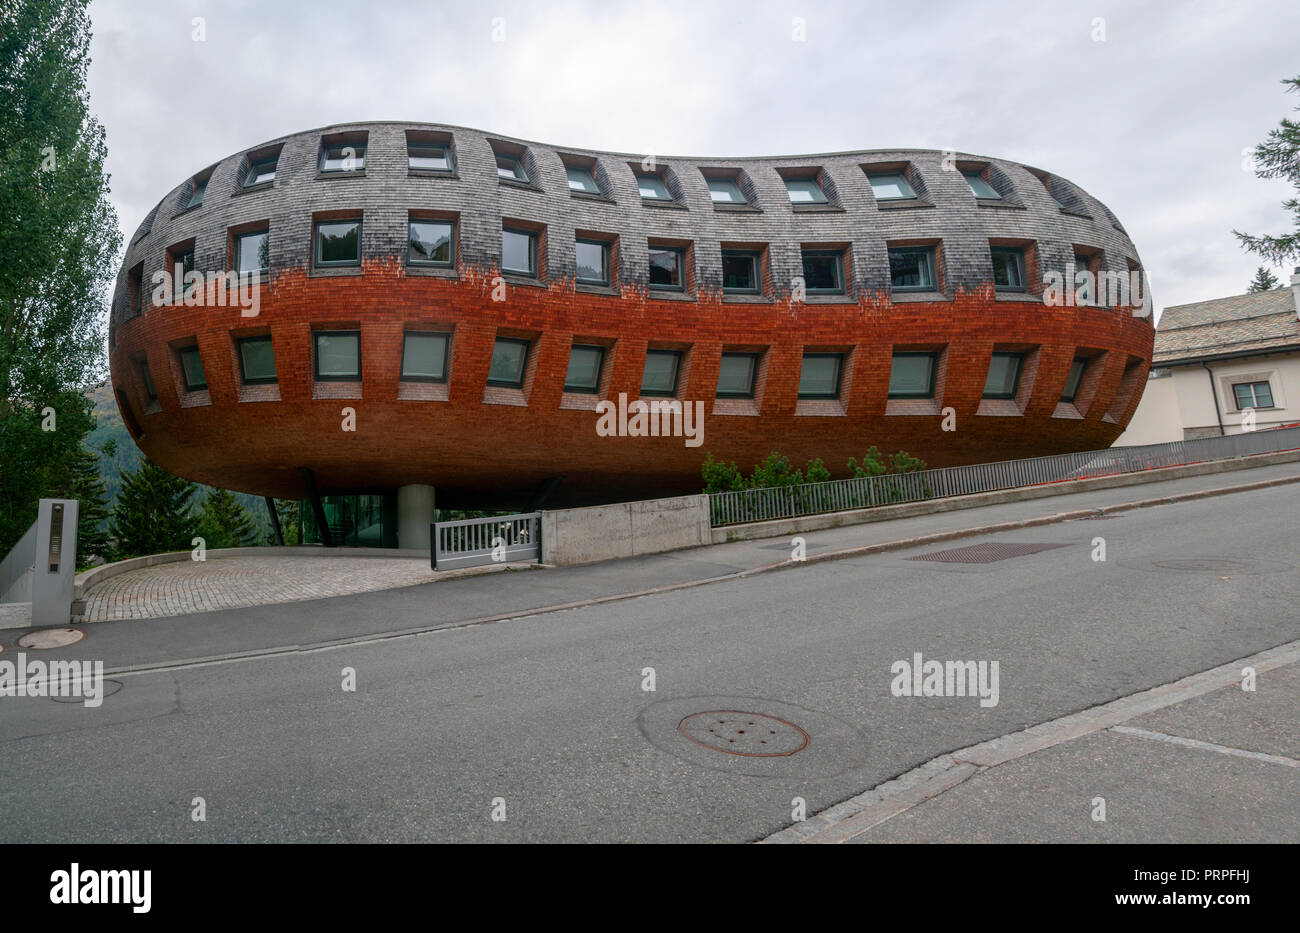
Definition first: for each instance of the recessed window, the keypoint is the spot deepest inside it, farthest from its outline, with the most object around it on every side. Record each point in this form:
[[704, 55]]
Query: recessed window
[[256, 360], [890, 186], [253, 251], [740, 272], [182, 263], [725, 191], [667, 268], [1082, 263], [661, 369], [581, 179], [911, 375], [1008, 268], [592, 262], [518, 251], [431, 243], [911, 269], [192, 369], [820, 375], [585, 363], [428, 157], [1004, 375], [147, 377], [1253, 395], [338, 243], [196, 194], [805, 191], [511, 168], [1074, 379], [424, 357], [509, 357], [736, 375], [980, 187], [338, 355], [652, 187], [261, 172], [343, 157], [823, 271]]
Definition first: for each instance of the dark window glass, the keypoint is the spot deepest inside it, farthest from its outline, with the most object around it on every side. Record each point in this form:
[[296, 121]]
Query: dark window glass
[[660, 376], [1253, 395], [192, 369], [338, 243], [260, 173], [823, 271], [911, 375], [1082, 263], [147, 376], [338, 355], [253, 252], [511, 167], [584, 369], [428, 158], [509, 357], [424, 357], [182, 264], [912, 269], [740, 272], [348, 157], [736, 375], [518, 251], [256, 360], [804, 191], [820, 375], [431, 243], [580, 179], [1004, 375], [666, 267], [1008, 268], [593, 262], [1073, 380], [196, 196]]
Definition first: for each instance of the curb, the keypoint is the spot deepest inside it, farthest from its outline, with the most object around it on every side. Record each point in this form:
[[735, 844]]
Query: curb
[[856, 815]]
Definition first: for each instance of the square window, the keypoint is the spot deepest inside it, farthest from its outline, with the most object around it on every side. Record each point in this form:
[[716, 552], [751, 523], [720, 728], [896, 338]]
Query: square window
[[652, 187], [911, 375], [338, 355], [891, 186], [823, 271], [196, 196], [253, 251], [740, 272], [509, 357], [820, 375], [429, 158], [345, 157], [805, 191], [592, 262], [911, 269], [256, 360], [736, 375], [660, 375], [980, 187], [424, 357], [192, 369], [147, 377], [338, 243], [431, 243], [1253, 395], [580, 179], [1008, 268], [1082, 263], [584, 369], [181, 265], [725, 191], [512, 168], [518, 251], [1004, 375], [666, 268], [261, 172], [1074, 379]]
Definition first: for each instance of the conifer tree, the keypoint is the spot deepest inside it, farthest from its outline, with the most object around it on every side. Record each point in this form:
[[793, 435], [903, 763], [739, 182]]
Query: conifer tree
[[153, 512]]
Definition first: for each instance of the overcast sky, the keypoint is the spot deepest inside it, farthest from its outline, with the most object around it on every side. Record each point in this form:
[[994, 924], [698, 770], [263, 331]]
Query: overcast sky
[[1152, 120]]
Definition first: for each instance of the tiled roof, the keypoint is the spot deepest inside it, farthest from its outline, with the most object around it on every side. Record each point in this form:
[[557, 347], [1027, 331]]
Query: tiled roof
[[1240, 324]]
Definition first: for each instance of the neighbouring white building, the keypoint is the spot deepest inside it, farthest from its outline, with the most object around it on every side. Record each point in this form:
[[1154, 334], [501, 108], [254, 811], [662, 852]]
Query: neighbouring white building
[[1217, 362]]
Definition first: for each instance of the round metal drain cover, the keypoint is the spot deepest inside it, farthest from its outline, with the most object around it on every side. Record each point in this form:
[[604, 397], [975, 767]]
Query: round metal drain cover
[[110, 687], [752, 735], [51, 638]]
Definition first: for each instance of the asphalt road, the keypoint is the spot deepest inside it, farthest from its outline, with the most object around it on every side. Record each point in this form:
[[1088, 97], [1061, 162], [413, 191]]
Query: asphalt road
[[548, 712]]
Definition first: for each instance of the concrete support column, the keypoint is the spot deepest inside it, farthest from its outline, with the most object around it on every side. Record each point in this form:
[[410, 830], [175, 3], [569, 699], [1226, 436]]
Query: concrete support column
[[415, 509]]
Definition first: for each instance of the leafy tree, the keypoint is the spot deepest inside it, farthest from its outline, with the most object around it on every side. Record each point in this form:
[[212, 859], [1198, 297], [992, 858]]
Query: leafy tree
[[1278, 156], [224, 522], [872, 464], [1263, 281], [153, 512], [92, 517], [58, 247]]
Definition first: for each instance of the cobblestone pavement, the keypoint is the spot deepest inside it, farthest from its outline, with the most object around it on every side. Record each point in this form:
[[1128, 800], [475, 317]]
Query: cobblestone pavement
[[235, 582]]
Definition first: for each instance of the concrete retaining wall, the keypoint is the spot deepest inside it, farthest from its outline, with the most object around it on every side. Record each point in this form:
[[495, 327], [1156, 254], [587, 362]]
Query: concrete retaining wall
[[626, 529]]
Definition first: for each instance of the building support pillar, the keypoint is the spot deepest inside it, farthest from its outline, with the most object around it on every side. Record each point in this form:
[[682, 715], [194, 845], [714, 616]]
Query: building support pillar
[[415, 513], [317, 507], [543, 492], [275, 521]]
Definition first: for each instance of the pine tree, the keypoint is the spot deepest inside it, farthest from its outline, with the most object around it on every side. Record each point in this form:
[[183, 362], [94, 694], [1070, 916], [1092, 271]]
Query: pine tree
[[1278, 156], [224, 522], [1263, 281], [153, 512], [287, 509], [88, 487]]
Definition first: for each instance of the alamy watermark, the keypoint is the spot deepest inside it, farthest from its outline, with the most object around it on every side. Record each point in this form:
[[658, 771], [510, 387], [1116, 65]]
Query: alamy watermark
[[656, 418], [37, 678], [921, 678]]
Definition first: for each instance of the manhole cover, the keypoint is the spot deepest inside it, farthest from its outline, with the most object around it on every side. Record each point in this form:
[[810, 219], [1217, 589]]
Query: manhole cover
[[51, 638], [985, 553], [110, 687], [1223, 566], [752, 735]]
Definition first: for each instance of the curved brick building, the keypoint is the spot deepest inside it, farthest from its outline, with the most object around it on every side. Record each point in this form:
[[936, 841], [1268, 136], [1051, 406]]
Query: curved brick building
[[443, 307]]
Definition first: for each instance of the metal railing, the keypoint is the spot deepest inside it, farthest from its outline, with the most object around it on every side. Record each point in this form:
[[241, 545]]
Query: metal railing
[[758, 505], [473, 542], [20, 560]]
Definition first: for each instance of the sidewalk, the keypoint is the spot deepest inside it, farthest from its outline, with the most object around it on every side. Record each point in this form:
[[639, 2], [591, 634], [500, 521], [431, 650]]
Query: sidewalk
[[1198, 761]]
